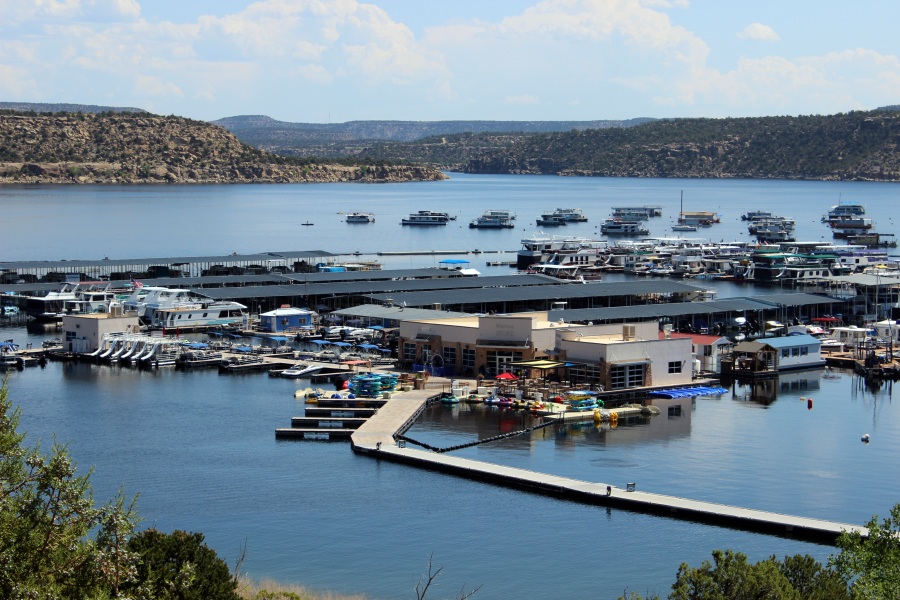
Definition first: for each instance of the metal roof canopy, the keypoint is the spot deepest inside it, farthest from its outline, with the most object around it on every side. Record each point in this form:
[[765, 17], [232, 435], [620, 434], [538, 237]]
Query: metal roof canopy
[[397, 313], [107, 262], [674, 309], [422, 273], [387, 287], [537, 292]]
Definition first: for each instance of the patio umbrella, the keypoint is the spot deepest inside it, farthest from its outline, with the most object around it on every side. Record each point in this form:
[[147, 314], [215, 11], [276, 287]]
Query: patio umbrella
[[506, 376]]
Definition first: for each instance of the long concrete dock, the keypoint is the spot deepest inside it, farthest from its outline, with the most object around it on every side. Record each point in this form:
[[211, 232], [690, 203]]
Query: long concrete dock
[[376, 438]]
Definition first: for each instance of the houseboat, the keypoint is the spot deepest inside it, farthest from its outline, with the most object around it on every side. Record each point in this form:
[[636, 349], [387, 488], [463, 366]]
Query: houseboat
[[49, 308], [427, 218], [493, 219], [569, 215], [842, 211], [613, 226], [200, 315], [360, 217], [550, 221], [636, 213], [541, 248]]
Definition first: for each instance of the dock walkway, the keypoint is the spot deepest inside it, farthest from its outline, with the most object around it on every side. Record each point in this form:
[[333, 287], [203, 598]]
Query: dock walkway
[[376, 438]]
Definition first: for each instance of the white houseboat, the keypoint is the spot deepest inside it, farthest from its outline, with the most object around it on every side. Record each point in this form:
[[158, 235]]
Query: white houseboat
[[427, 218]]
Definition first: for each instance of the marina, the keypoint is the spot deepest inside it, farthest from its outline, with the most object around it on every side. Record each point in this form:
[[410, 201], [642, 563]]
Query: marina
[[693, 451]]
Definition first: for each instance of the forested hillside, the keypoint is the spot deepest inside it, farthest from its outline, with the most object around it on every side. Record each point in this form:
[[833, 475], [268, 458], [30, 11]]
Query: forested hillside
[[852, 146]]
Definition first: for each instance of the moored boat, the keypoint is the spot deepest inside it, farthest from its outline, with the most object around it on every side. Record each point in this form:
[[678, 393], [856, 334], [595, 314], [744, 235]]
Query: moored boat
[[360, 217], [427, 217]]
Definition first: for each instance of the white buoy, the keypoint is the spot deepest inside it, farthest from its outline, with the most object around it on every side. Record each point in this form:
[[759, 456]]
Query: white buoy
[[865, 438]]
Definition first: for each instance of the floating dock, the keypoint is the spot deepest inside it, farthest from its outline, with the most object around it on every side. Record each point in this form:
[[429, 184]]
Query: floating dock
[[376, 438]]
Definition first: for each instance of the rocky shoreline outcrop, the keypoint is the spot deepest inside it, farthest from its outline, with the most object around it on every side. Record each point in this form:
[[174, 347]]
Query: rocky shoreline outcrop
[[127, 148]]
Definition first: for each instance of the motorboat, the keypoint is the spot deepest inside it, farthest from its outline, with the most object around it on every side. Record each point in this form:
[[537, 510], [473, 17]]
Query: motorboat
[[300, 369], [9, 356]]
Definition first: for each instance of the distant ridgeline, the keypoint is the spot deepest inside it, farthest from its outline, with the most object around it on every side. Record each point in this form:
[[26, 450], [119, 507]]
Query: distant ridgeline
[[44, 145], [857, 146], [66, 108], [391, 140]]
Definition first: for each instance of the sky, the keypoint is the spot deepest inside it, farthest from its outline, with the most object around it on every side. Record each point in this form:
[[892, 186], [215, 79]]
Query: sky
[[332, 61]]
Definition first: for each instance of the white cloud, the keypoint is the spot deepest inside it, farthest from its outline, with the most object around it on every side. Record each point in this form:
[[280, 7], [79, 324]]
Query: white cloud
[[758, 31]]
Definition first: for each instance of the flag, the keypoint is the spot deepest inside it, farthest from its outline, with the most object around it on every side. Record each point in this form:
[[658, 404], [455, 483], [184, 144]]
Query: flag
[[136, 284]]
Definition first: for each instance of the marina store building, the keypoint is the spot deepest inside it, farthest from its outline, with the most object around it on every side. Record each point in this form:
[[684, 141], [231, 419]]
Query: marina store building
[[610, 357]]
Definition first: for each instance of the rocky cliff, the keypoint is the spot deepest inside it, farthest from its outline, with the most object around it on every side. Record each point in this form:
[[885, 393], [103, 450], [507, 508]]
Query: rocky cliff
[[142, 148]]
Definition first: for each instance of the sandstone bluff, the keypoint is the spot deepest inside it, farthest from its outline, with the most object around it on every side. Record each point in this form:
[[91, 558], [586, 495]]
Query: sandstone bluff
[[128, 148]]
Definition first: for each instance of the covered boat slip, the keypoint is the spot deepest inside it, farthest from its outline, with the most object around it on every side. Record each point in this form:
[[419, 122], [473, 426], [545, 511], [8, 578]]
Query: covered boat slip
[[125, 268]]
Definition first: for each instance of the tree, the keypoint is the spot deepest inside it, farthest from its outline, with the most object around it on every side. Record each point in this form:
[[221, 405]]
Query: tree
[[872, 564], [47, 519], [179, 566], [731, 577]]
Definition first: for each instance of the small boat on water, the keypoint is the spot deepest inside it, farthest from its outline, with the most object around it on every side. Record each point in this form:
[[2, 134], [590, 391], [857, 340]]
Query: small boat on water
[[360, 217], [301, 369], [684, 228], [307, 223], [9, 356]]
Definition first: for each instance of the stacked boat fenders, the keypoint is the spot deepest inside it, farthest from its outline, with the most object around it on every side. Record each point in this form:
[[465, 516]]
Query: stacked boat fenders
[[373, 385]]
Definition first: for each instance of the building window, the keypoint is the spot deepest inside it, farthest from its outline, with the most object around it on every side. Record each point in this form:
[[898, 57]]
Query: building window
[[468, 358], [585, 374], [409, 351], [804, 351], [675, 366], [626, 376], [785, 353], [449, 355], [498, 361], [795, 351]]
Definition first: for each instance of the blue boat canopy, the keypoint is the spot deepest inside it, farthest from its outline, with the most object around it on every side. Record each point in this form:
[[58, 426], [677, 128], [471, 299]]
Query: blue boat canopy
[[197, 346], [342, 344], [320, 342], [688, 392], [244, 349], [278, 338]]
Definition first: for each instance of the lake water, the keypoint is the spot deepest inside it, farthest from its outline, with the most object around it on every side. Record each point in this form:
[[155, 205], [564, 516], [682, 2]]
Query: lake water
[[199, 447]]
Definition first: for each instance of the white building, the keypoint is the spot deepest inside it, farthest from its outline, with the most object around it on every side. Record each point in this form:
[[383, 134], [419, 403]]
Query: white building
[[83, 333], [613, 356], [622, 356]]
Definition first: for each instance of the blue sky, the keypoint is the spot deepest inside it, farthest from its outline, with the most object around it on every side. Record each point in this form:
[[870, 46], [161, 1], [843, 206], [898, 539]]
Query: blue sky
[[342, 60]]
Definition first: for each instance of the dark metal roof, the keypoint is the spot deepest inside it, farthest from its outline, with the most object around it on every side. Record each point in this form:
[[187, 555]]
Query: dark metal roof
[[259, 280], [291, 278], [725, 305], [387, 287], [801, 299], [559, 291], [260, 258], [373, 275]]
